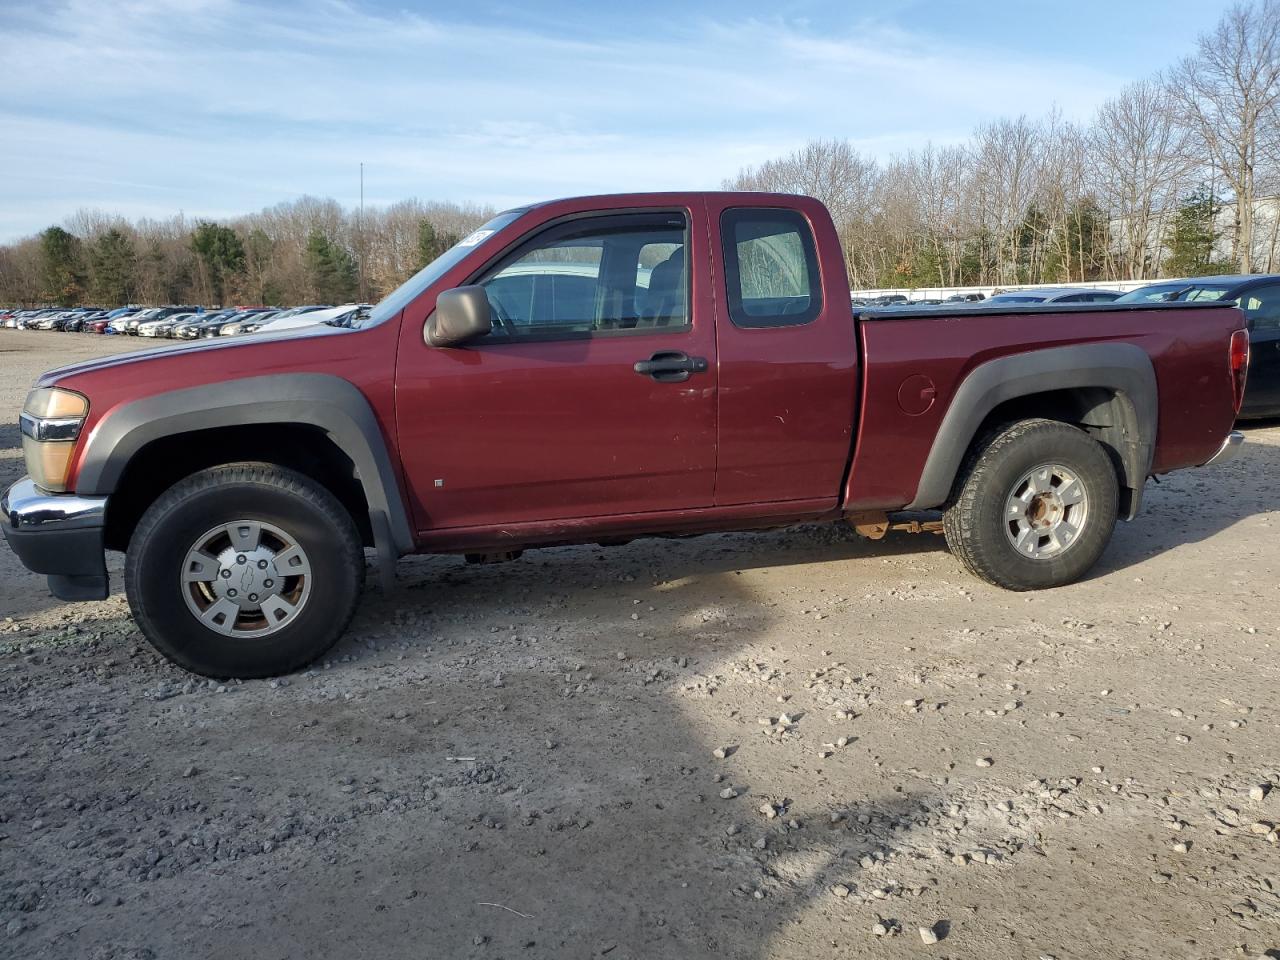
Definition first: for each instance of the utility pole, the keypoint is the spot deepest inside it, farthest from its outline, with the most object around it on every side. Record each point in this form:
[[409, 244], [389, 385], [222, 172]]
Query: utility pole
[[360, 236]]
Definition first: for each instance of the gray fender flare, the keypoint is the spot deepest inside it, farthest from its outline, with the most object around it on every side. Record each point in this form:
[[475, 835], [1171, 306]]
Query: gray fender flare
[[322, 400], [1127, 422]]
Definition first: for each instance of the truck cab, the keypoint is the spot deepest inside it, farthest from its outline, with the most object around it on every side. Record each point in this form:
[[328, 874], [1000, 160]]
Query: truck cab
[[657, 393]]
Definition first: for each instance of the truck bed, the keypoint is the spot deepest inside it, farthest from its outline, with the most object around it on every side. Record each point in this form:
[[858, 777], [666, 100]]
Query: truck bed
[[905, 351]]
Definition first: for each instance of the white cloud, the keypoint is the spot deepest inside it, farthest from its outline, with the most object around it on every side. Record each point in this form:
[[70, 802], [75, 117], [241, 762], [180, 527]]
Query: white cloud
[[224, 105]]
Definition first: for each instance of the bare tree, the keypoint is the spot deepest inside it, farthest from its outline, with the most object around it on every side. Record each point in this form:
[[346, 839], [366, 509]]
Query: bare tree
[[89, 223], [830, 170], [1140, 158], [20, 280], [933, 180], [1229, 92], [1005, 160]]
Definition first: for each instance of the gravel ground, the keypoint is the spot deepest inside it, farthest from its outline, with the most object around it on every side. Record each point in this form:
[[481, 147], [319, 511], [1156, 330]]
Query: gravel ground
[[782, 745]]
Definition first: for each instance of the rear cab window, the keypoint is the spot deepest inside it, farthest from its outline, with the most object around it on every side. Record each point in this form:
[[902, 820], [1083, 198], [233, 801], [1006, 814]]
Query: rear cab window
[[771, 267]]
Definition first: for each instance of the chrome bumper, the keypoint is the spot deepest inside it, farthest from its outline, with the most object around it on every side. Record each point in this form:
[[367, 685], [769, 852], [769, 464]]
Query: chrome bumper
[[1229, 450], [25, 507], [59, 535]]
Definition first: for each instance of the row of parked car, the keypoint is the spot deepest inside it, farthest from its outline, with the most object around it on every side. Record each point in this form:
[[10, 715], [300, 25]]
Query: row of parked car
[[179, 322], [1008, 298]]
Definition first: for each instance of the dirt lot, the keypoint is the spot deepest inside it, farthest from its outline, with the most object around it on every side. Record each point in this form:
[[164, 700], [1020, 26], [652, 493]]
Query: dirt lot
[[742, 746]]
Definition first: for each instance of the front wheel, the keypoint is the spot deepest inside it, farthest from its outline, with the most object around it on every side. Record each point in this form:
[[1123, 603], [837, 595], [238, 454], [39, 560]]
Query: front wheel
[[244, 570], [1035, 508]]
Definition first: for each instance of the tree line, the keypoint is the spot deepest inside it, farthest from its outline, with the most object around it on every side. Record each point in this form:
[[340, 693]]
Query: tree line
[[1176, 175], [305, 251]]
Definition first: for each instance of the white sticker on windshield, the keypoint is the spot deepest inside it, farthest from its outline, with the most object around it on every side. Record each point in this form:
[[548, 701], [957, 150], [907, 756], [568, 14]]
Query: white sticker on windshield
[[474, 238]]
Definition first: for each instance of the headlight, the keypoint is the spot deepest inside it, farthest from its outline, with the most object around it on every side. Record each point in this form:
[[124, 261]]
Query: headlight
[[51, 422]]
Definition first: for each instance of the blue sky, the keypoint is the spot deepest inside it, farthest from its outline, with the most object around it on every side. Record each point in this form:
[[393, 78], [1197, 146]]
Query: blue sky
[[221, 107]]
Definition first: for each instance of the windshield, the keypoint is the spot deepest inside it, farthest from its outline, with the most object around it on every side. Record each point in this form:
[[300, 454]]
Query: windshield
[[1186, 290], [404, 294]]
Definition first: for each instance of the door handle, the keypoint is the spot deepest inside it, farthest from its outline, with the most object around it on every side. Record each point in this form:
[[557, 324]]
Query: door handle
[[671, 366]]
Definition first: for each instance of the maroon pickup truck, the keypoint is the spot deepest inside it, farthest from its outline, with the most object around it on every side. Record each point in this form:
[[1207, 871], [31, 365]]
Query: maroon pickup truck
[[593, 370]]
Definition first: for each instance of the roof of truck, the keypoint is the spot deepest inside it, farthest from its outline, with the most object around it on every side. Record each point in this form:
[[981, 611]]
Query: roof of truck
[[673, 195]]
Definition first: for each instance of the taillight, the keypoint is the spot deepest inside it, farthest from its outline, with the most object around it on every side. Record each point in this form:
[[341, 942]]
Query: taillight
[[1239, 365]]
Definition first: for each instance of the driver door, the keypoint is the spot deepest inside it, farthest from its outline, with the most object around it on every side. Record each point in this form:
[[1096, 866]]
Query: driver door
[[547, 418]]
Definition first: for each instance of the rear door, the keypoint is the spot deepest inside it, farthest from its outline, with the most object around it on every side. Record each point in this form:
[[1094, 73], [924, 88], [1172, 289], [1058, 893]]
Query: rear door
[[1261, 308], [548, 417], [787, 351]]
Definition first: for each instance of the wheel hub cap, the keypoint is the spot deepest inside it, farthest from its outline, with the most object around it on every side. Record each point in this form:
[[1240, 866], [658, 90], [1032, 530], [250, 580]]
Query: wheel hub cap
[[1045, 512], [246, 578]]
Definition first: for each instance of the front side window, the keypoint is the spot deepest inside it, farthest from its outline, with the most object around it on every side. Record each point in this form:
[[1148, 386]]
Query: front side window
[[771, 267], [592, 276]]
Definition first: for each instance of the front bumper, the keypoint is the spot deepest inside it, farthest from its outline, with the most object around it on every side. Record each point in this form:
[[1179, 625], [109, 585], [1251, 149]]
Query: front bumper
[[60, 535], [1229, 450]]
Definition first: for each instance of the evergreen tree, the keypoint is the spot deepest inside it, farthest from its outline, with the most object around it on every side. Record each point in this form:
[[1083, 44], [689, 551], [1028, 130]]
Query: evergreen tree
[[332, 269], [113, 268], [432, 243], [1194, 235], [220, 253], [61, 267]]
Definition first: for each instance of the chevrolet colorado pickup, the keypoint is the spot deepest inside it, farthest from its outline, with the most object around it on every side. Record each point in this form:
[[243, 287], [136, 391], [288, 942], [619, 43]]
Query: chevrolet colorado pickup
[[594, 370]]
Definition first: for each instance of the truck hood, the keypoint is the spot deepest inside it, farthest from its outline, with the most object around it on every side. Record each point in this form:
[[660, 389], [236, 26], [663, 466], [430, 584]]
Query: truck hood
[[246, 342]]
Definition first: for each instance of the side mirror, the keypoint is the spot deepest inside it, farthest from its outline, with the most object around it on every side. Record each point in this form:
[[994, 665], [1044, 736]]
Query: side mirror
[[461, 314]]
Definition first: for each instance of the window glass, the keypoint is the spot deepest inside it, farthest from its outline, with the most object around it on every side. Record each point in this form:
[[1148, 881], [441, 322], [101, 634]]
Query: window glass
[[1262, 308], [592, 276], [1172, 291], [771, 268]]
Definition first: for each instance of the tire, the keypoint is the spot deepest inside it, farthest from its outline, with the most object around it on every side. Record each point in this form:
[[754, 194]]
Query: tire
[[283, 523], [1031, 550]]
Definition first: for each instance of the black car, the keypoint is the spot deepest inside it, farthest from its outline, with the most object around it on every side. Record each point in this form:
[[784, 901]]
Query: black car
[[191, 329], [74, 324], [213, 328], [1259, 298]]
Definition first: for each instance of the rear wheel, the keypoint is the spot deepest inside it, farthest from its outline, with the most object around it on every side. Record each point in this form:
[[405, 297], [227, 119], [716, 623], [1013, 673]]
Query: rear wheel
[[245, 570], [1036, 506]]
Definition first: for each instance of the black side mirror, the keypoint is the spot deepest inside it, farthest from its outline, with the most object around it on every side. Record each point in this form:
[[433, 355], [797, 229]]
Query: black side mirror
[[461, 314]]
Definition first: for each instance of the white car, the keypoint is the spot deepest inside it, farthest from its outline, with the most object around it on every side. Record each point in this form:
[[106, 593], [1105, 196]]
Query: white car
[[157, 328], [311, 318], [120, 324]]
